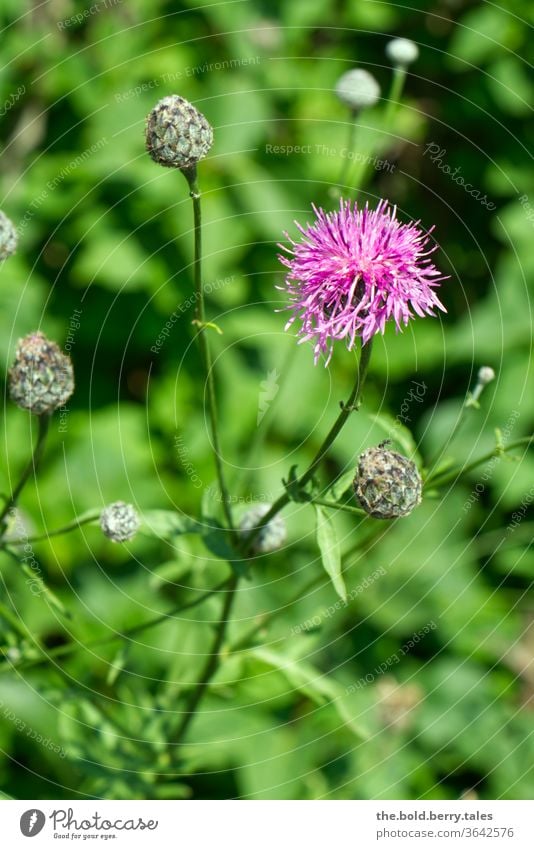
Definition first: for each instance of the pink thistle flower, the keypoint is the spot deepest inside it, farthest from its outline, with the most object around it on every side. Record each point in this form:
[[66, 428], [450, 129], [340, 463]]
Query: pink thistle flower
[[353, 271]]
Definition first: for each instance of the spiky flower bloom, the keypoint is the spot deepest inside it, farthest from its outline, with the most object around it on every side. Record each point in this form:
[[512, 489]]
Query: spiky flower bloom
[[119, 521], [402, 51], [387, 485], [41, 378], [271, 537], [177, 134], [358, 89], [8, 237], [353, 271]]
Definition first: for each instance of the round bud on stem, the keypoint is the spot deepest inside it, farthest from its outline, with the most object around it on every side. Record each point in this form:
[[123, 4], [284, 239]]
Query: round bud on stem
[[387, 485], [358, 89], [8, 237], [485, 375], [402, 52], [177, 134], [41, 378], [119, 521], [271, 537]]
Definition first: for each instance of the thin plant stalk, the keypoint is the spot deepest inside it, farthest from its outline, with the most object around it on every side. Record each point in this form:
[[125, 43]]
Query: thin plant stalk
[[395, 94], [211, 666], [65, 529], [204, 344], [72, 648], [393, 100], [442, 478], [346, 409], [31, 468], [337, 191]]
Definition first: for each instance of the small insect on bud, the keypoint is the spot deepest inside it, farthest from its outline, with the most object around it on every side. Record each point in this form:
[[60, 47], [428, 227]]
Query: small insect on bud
[[485, 375], [271, 537], [8, 237], [119, 521], [358, 89], [177, 134], [41, 378], [402, 52], [387, 485]]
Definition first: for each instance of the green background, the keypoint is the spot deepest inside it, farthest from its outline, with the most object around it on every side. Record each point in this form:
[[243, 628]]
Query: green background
[[105, 231]]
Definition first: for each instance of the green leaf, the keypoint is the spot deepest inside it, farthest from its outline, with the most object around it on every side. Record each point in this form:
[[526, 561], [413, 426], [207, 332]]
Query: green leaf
[[344, 482], [330, 550], [305, 678], [117, 665]]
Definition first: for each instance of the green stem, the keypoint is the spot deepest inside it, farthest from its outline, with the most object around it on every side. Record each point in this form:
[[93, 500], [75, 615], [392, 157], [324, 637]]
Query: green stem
[[470, 403], [337, 191], [31, 468], [72, 526], [204, 343], [345, 508], [72, 648], [266, 619], [394, 96], [211, 666], [440, 479], [352, 404], [393, 100]]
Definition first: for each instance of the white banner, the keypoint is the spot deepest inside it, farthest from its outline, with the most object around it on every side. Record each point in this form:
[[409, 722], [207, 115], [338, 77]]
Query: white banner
[[262, 825]]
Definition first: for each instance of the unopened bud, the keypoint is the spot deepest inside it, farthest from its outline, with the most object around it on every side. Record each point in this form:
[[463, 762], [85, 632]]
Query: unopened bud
[[485, 375], [177, 134], [8, 237], [387, 485], [119, 521], [402, 52], [271, 537], [41, 378], [358, 89]]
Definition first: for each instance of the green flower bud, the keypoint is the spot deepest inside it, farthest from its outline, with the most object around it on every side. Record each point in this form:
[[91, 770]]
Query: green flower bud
[[119, 521], [387, 485], [41, 378], [177, 134]]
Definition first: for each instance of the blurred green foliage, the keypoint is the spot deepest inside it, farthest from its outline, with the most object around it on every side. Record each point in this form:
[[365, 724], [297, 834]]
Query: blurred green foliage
[[104, 231]]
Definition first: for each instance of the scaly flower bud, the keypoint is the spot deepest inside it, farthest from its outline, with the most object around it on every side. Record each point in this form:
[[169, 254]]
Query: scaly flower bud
[[177, 134], [271, 537], [41, 379], [358, 89], [387, 484], [119, 521], [8, 237], [402, 52]]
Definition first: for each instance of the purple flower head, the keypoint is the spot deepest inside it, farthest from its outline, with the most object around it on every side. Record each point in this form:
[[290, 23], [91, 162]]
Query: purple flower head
[[355, 269]]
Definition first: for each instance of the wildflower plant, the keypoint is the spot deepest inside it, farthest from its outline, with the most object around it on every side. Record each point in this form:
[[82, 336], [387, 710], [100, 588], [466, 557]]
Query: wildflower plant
[[356, 268]]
